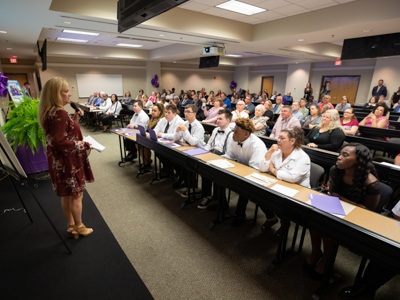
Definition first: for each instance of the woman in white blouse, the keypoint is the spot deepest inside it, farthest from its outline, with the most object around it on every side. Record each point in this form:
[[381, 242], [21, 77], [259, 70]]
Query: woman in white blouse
[[112, 112], [287, 161]]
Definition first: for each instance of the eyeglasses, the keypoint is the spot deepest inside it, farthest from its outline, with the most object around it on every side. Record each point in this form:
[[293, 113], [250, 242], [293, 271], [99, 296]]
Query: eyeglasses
[[188, 112]]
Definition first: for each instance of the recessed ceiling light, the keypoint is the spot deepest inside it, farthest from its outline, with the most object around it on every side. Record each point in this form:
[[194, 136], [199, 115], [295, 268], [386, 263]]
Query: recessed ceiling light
[[233, 55], [72, 40], [129, 45], [66, 22], [81, 32], [301, 40], [95, 57], [241, 8], [9, 48], [174, 61], [1, 31], [162, 34], [367, 30]]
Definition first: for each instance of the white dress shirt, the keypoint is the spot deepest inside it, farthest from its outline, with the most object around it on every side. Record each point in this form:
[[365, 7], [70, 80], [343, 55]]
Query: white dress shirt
[[195, 138], [171, 129], [104, 106], [148, 105], [140, 119], [115, 109], [242, 114], [217, 139], [294, 169], [251, 153]]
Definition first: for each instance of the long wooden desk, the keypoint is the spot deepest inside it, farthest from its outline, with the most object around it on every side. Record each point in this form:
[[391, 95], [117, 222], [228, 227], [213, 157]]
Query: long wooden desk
[[373, 235]]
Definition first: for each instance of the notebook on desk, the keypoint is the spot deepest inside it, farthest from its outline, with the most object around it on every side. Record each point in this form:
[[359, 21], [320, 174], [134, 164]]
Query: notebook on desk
[[153, 135], [142, 130]]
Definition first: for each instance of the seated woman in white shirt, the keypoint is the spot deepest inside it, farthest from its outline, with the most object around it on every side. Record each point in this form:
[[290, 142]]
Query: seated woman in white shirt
[[112, 113], [146, 103], [287, 161]]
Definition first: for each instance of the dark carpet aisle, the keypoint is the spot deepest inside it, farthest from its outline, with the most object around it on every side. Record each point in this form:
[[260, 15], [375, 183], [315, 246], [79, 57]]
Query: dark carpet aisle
[[34, 264]]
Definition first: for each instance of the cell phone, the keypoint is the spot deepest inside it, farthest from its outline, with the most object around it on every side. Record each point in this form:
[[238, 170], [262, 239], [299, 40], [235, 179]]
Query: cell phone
[[204, 106]]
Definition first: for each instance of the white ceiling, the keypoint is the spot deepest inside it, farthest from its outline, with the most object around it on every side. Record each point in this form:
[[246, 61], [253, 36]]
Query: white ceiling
[[271, 37]]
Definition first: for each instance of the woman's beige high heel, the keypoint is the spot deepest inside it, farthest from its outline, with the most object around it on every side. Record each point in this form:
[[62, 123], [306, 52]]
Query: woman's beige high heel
[[81, 231]]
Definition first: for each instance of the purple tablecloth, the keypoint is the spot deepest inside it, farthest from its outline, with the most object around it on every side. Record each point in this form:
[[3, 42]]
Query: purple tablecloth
[[32, 163]]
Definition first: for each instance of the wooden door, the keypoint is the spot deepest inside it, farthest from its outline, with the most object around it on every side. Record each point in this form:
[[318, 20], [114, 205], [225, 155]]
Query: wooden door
[[342, 86], [267, 83]]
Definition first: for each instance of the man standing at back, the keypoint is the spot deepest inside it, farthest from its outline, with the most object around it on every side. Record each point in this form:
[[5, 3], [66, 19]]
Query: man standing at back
[[380, 89], [25, 88], [285, 121]]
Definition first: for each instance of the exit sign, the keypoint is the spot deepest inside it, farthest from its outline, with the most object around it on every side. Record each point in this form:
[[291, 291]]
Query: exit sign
[[13, 60], [338, 63]]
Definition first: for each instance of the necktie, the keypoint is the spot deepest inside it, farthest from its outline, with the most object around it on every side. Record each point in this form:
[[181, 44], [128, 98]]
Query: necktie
[[221, 131], [136, 115], [190, 128], [166, 128], [377, 90], [240, 144]]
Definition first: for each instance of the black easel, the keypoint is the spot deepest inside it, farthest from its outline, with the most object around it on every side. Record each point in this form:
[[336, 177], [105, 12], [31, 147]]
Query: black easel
[[24, 181]]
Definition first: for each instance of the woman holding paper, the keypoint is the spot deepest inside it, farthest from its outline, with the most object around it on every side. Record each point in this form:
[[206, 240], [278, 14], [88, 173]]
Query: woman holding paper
[[67, 153], [287, 161], [353, 179]]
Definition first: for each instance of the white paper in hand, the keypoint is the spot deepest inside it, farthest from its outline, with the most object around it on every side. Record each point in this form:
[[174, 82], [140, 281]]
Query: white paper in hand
[[95, 145]]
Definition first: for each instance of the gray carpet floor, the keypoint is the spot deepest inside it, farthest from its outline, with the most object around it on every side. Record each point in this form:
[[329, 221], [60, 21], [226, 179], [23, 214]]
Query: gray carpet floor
[[178, 257]]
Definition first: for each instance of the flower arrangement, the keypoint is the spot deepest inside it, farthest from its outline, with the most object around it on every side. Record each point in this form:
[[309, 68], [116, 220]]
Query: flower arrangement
[[233, 85], [154, 81], [23, 127]]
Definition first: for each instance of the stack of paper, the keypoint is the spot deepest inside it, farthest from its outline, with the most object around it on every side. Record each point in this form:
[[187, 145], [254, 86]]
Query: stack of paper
[[284, 190], [221, 163], [94, 144], [261, 179], [195, 151]]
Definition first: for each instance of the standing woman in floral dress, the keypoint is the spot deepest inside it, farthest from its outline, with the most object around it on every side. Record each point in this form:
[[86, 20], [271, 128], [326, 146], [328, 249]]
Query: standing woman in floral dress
[[67, 154]]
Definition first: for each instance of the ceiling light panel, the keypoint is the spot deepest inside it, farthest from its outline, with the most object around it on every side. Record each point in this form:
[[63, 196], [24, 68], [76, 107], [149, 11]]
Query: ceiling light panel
[[129, 45], [81, 32], [72, 40], [241, 8]]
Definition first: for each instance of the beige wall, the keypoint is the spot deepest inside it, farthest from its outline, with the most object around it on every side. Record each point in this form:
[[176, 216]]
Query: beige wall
[[278, 72]]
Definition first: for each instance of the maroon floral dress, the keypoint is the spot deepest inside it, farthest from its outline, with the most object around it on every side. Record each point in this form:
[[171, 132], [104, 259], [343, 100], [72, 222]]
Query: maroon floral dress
[[67, 154]]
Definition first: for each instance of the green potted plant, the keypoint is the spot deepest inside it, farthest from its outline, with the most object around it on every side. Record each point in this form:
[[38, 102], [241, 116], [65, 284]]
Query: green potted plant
[[25, 135]]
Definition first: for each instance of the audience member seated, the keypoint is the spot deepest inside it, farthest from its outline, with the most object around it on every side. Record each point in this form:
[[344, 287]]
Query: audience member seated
[[163, 101], [372, 102], [249, 107], [99, 100], [278, 105], [92, 100], [259, 122], [349, 121], [212, 114], [287, 99], [177, 104], [354, 180], [324, 108], [396, 107], [343, 105], [191, 132], [273, 97], [127, 98], [158, 98], [220, 140], [139, 118], [235, 98], [185, 101], [146, 103], [286, 161], [139, 97], [166, 127], [310, 101], [377, 119], [238, 113], [269, 113], [326, 101], [247, 149], [227, 102], [199, 102], [285, 121], [210, 99], [303, 109], [296, 111], [328, 134], [314, 118], [112, 113], [395, 99], [157, 113], [152, 97]]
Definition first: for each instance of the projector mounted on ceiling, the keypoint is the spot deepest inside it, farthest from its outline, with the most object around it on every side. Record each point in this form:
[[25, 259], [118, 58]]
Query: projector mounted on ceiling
[[213, 50]]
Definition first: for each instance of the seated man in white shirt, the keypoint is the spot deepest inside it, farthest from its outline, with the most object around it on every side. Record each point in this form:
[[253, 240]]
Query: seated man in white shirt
[[238, 113], [166, 128], [296, 111], [247, 149], [191, 132], [139, 118], [220, 139]]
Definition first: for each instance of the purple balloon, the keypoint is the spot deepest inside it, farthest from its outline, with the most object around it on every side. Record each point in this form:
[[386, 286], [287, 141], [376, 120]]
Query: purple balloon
[[156, 77], [153, 81], [3, 79], [157, 85], [3, 90]]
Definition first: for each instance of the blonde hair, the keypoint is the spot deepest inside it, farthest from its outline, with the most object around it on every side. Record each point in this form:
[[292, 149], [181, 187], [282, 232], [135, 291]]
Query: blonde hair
[[335, 120], [51, 97], [270, 105]]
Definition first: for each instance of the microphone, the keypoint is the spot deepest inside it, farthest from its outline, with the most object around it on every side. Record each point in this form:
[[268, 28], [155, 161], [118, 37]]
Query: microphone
[[73, 105]]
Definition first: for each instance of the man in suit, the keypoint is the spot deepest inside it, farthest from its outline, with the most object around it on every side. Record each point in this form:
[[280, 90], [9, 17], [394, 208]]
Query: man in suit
[[380, 89], [93, 99], [25, 88]]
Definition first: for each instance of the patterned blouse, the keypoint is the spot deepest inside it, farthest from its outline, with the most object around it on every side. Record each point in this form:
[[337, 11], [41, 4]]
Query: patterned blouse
[[67, 154], [262, 121]]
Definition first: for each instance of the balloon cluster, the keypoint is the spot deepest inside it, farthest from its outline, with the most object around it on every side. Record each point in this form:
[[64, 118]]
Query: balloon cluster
[[233, 85], [3, 85], [154, 81]]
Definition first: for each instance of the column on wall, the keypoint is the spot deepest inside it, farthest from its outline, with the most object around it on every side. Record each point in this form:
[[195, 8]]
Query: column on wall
[[297, 77], [152, 68], [241, 76]]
